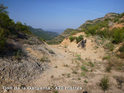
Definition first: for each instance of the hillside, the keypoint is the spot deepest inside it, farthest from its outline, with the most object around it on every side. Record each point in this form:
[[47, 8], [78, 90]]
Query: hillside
[[23, 57], [104, 27], [60, 37], [45, 35]]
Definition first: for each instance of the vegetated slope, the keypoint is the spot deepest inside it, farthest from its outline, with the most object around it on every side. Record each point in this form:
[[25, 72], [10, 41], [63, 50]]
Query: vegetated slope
[[111, 25], [60, 37], [23, 56], [45, 35]]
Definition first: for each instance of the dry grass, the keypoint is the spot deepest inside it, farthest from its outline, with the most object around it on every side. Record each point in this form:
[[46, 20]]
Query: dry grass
[[115, 63]]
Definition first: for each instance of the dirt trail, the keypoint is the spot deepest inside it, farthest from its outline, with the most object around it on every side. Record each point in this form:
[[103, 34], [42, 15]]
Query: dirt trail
[[64, 70], [58, 74]]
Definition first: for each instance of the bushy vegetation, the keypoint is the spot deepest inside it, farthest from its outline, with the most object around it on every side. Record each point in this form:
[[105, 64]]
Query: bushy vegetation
[[45, 35], [101, 28], [94, 29], [84, 68], [79, 38], [115, 63], [72, 38], [117, 35], [104, 83], [2, 39], [109, 46], [121, 50], [10, 29]]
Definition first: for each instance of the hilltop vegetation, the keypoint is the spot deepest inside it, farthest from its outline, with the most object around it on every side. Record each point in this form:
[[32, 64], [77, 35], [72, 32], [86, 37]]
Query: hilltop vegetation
[[45, 35], [104, 27], [10, 30], [61, 37]]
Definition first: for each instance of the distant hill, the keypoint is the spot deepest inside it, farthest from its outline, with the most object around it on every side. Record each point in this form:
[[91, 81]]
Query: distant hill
[[60, 37], [106, 27], [46, 35]]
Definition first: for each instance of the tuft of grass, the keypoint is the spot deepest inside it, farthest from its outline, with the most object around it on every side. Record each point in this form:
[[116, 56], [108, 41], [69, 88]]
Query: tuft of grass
[[78, 57], [79, 78], [74, 72], [44, 59], [115, 63], [109, 46], [106, 57], [121, 50], [108, 68], [83, 74], [68, 75], [85, 81], [18, 55], [66, 65], [84, 68], [51, 52], [104, 83], [91, 64], [65, 46], [55, 91]]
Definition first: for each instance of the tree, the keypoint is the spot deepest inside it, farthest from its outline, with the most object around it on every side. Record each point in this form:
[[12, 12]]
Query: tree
[[3, 9]]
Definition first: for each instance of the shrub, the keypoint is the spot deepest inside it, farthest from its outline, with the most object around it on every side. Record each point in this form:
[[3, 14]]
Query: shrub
[[109, 46], [72, 38], [104, 83], [79, 38], [106, 57], [78, 57], [118, 35], [44, 59], [115, 63], [2, 39], [121, 49], [18, 55], [91, 64], [84, 68]]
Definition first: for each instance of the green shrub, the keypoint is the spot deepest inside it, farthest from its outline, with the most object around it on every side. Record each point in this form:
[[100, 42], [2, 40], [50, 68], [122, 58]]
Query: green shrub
[[109, 46], [121, 49], [104, 83], [84, 68], [2, 39], [78, 57], [72, 38], [118, 35], [106, 57], [44, 59], [79, 38], [18, 54]]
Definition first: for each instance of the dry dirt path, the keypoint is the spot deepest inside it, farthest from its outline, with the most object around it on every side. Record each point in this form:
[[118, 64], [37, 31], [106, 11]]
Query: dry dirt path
[[58, 74]]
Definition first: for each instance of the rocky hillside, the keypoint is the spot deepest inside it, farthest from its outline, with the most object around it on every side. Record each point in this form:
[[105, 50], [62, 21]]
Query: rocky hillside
[[106, 26], [23, 56]]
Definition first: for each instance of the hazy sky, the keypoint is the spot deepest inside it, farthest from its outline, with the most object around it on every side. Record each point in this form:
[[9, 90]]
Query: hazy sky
[[60, 14]]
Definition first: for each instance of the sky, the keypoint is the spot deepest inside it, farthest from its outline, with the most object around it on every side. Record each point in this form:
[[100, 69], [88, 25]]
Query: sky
[[58, 15]]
